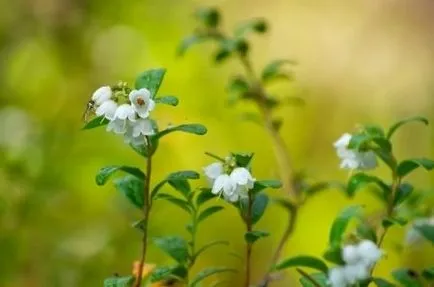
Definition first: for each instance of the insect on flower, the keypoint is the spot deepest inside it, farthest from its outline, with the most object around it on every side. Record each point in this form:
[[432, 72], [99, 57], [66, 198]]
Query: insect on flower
[[90, 108]]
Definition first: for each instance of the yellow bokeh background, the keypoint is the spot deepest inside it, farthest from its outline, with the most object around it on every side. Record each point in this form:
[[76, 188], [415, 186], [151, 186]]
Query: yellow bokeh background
[[362, 61]]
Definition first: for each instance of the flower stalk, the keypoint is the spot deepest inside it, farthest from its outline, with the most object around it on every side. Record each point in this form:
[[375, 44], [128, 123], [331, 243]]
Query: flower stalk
[[147, 202]]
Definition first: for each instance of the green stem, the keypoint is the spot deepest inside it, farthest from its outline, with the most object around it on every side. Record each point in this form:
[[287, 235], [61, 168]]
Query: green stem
[[146, 209], [308, 277], [249, 227]]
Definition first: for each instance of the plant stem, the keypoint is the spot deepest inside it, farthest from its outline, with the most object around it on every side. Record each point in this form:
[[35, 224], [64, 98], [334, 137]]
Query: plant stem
[[396, 181], [146, 210], [249, 226], [286, 171]]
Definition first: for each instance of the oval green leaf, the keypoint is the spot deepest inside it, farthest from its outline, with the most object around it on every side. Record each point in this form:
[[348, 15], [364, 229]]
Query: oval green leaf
[[426, 230], [196, 129], [397, 125], [258, 207], [253, 236], [151, 80], [132, 188], [205, 273], [96, 122], [302, 261], [105, 173], [341, 222], [359, 180], [167, 100], [407, 277], [175, 246], [208, 212], [407, 166]]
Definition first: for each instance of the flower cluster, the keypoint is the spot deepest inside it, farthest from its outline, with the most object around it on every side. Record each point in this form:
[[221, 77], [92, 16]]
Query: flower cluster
[[128, 111], [228, 179], [352, 159], [359, 260]]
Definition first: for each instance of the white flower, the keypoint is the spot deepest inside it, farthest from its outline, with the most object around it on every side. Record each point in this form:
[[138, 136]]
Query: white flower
[[352, 159], [107, 109], [337, 278], [356, 272], [101, 95], [142, 102], [369, 252], [123, 113], [213, 171], [350, 254], [242, 177], [232, 186], [224, 184], [413, 236], [137, 130]]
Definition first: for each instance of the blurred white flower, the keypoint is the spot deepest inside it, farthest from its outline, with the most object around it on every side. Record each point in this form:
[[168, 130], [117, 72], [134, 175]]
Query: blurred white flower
[[123, 114], [142, 102], [351, 159], [350, 254], [101, 95], [336, 277], [369, 252], [107, 109], [413, 236], [356, 272], [232, 186], [359, 260]]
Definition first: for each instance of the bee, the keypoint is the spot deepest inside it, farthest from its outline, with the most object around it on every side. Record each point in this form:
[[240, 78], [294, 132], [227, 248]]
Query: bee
[[90, 108]]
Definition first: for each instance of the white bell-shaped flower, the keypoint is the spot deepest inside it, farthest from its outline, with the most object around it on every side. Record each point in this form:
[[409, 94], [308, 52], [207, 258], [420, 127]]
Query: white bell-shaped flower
[[107, 109], [137, 130], [123, 114], [242, 177], [101, 95], [352, 159], [355, 273], [142, 102], [350, 254], [213, 171], [223, 184]]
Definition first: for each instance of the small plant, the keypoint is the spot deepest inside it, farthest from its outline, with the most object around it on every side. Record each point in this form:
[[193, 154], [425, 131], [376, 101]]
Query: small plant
[[351, 256]]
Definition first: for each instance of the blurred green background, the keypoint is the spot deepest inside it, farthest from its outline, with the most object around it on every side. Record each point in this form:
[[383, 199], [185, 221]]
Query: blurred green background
[[360, 61]]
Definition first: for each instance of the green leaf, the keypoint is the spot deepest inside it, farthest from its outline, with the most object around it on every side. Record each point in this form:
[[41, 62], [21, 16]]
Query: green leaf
[[380, 282], [175, 246], [254, 25], [374, 131], [205, 273], [209, 245], [253, 236], [319, 278], [222, 55], [407, 277], [209, 16], [320, 186], [196, 129], [426, 230], [167, 100], [151, 80], [359, 180], [260, 185], [166, 273], [402, 193], [184, 174], [204, 196], [181, 185], [334, 255], [208, 212], [132, 188], [302, 261], [407, 166], [238, 85], [105, 173], [428, 273], [389, 221], [119, 281], [243, 159], [176, 201], [178, 180], [288, 205], [145, 150], [359, 141], [366, 231], [397, 125], [188, 42], [96, 122], [341, 222], [140, 224], [258, 207], [273, 69]]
